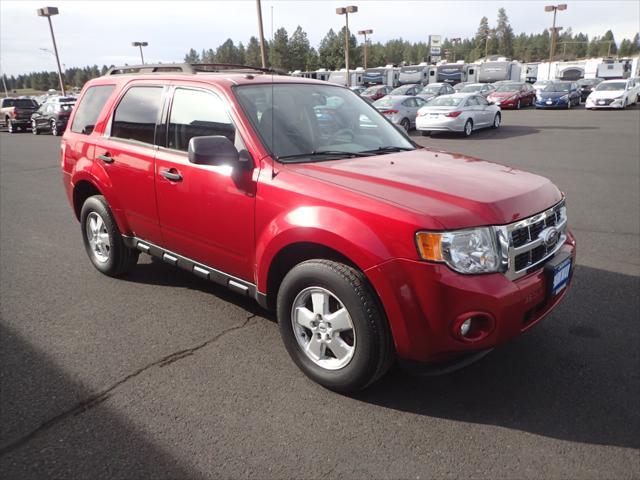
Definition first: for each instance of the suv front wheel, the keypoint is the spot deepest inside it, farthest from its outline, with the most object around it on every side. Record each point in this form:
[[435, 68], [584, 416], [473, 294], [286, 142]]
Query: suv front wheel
[[333, 326], [102, 239]]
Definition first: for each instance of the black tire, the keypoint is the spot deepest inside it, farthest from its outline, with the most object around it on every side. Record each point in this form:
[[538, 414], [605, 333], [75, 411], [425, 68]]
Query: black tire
[[373, 354], [406, 124], [10, 126], [34, 128], [468, 128], [54, 128], [518, 105], [121, 259], [497, 120]]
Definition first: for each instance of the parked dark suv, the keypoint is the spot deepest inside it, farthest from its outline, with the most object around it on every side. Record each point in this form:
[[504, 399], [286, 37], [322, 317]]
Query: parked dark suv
[[15, 113], [368, 247], [52, 115]]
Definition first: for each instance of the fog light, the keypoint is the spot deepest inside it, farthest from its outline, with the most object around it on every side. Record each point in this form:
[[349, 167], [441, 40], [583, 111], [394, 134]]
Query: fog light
[[465, 328]]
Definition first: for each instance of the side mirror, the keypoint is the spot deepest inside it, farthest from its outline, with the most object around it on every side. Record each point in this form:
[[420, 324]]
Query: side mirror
[[213, 150]]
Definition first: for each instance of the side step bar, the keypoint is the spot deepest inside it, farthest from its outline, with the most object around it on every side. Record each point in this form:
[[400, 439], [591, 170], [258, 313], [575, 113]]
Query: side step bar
[[203, 271]]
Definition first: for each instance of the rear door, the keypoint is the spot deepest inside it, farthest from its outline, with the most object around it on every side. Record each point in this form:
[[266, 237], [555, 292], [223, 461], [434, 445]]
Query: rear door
[[206, 212], [127, 154]]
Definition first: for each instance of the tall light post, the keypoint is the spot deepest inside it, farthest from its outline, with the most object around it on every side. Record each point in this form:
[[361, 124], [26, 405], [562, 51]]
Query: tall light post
[[454, 42], [365, 33], [346, 11], [49, 12], [140, 45], [554, 30]]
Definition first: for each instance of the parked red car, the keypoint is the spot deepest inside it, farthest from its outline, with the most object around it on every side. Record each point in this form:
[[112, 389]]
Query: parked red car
[[368, 247], [375, 92], [513, 95]]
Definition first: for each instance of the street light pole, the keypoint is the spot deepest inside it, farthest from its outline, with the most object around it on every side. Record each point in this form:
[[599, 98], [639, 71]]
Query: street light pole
[[365, 33], [346, 11], [140, 45], [554, 30], [49, 12], [261, 31]]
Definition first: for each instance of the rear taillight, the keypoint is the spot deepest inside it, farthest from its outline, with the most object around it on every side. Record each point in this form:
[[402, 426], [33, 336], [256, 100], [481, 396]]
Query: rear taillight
[[452, 114], [13, 113], [389, 112]]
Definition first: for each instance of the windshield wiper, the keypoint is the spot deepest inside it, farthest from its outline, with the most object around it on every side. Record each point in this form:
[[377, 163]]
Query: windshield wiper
[[387, 149], [321, 153]]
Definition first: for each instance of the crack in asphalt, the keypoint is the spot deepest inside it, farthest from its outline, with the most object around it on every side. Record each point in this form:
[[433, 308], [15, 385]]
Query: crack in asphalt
[[103, 395]]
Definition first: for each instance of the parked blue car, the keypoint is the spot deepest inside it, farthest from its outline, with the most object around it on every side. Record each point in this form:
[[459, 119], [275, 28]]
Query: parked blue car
[[558, 94]]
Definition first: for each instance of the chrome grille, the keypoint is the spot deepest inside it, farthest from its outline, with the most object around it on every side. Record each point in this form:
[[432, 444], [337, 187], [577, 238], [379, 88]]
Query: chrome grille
[[524, 249]]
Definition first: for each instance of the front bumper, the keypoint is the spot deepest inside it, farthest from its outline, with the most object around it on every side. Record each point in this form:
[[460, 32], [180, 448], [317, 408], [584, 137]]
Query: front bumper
[[423, 300], [617, 103], [551, 103]]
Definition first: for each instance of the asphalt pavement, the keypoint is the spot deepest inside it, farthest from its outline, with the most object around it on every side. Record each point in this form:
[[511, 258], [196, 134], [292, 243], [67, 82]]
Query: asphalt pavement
[[163, 375]]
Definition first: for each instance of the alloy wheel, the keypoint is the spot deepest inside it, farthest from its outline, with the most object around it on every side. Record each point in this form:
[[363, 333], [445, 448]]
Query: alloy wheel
[[98, 237], [323, 328], [54, 128]]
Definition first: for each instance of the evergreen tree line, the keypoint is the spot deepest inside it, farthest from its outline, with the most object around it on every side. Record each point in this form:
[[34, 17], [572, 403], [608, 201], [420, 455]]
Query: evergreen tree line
[[294, 52]]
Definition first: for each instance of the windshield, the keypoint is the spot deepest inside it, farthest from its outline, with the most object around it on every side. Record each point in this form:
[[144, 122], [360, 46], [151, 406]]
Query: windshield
[[445, 101], [508, 87], [541, 83], [401, 90], [305, 120], [557, 87], [20, 103], [431, 89], [471, 88], [372, 90], [608, 87], [589, 81]]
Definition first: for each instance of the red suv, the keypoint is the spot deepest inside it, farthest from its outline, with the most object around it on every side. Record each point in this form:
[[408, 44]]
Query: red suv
[[301, 195]]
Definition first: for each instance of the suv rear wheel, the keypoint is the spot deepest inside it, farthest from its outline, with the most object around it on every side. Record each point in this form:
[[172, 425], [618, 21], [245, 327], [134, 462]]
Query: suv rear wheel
[[333, 326], [102, 239]]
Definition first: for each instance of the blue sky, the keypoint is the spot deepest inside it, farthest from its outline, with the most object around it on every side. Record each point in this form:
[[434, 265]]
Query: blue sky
[[101, 32]]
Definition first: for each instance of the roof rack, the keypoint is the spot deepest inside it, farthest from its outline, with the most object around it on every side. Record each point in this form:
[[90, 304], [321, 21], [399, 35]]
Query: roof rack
[[190, 68]]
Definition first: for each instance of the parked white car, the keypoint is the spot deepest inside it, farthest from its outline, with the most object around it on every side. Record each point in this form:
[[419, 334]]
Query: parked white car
[[461, 112], [614, 94]]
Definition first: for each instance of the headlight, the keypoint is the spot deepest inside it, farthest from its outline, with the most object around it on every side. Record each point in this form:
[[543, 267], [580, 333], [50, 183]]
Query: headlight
[[466, 251]]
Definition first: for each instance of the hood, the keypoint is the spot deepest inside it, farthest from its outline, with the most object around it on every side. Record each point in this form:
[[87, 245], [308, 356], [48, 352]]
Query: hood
[[454, 190], [552, 94], [503, 94], [606, 94]]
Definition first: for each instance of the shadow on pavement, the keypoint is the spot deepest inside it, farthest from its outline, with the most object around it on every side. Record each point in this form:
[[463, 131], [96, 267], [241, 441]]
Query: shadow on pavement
[[45, 433], [575, 376]]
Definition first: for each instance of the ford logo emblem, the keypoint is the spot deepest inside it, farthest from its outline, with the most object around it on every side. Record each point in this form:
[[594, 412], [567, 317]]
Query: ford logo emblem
[[550, 236]]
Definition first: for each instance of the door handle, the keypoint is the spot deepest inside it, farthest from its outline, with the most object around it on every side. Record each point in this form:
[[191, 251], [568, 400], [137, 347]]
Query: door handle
[[106, 158], [173, 176]]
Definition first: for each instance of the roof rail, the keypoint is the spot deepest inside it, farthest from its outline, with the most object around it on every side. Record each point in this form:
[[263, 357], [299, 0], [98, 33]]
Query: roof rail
[[190, 68]]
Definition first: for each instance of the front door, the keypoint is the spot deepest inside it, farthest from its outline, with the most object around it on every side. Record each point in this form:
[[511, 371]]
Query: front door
[[206, 212]]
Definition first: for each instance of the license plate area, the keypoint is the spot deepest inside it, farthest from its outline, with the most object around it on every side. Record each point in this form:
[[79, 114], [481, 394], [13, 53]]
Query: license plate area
[[558, 273]]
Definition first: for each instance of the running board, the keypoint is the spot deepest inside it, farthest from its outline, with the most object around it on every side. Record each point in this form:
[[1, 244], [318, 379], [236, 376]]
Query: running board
[[203, 271]]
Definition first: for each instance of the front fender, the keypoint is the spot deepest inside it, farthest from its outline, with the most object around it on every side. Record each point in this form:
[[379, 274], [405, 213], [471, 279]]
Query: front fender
[[322, 225]]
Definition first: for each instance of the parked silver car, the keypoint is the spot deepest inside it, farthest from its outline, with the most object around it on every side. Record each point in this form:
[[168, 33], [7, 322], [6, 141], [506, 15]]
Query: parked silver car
[[484, 89], [434, 90], [400, 109], [461, 112]]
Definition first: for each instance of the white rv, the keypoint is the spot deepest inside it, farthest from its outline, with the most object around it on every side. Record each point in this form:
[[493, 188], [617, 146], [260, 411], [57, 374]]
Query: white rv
[[503, 69], [388, 75]]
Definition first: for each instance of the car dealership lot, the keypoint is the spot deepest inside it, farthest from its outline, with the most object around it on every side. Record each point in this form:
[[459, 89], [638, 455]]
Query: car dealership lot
[[164, 375]]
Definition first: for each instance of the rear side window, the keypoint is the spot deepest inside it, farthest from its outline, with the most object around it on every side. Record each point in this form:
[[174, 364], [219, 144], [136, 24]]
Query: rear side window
[[137, 114], [195, 113], [90, 107]]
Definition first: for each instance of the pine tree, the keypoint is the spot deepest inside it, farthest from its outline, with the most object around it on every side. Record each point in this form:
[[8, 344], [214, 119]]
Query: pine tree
[[298, 49], [280, 53], [504, 34], [192, 57]]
